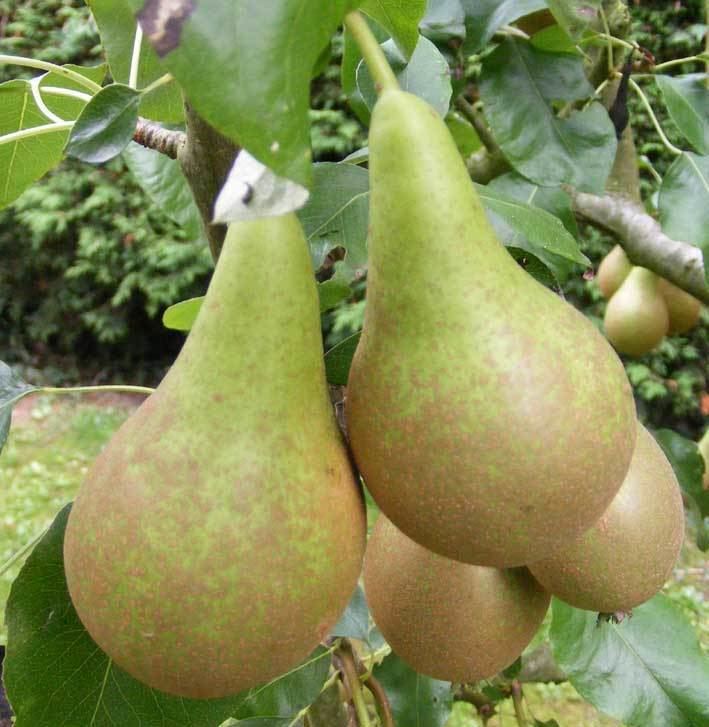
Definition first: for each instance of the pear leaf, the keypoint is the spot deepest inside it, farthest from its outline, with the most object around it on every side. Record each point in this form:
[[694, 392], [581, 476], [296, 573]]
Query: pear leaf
[[337, 215], [163, 181], [25, 160], [255, 87], [55, 674], [117, 26], [354, 622], [399, 19], [687, 100], [574, 16], [339, 359], [684, 202], [519, 86], [106, 125], [181, 316], [646, 671], [415, 699], [427, 75], [443, 20], [12, 389], [69, 106], [484, 17]]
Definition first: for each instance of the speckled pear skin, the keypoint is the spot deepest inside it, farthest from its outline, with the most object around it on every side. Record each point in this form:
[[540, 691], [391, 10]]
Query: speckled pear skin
[[488, 417], [612, 271], [628, 555], [449, 620], [220, 534], [684, 309]]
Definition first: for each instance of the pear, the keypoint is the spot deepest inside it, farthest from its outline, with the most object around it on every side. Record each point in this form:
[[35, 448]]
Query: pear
[[684, 309], [636, 317], [449, 620], [703, 445], [627, 556], [220, 533], [488, 417], [612, 271]]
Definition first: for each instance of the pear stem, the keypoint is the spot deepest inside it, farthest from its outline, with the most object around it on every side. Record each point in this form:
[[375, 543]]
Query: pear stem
[[349, 670], [86, 389], [372, 52]]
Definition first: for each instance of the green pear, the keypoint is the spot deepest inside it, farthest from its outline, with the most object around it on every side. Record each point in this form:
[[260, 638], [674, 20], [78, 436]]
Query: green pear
[[684, 309], [636, 318], [488, 417], [627, 556], [703, 445], [612, 271], [220, 533], [449, 620]]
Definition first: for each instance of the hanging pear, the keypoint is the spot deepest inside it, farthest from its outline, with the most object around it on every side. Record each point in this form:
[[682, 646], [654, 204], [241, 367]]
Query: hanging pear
[[220, 534], [488, 417], [636, 318], [684, 309], [612, 271], [449, 620], [627, 556]]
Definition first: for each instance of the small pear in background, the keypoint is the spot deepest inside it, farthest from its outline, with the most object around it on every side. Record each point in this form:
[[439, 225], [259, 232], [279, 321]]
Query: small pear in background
[[488, 417], [704, 451], [220, 533], [627, 556], [612, 271], [449, 620], [684, 309], [636, 318]]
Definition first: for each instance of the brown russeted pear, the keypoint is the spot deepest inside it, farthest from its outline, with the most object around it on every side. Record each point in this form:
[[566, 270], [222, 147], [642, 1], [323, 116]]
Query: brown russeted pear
[[636, 317], [488, 417], [612, 271], [684, 309], [220, 533], [449, 620], [627, 556]]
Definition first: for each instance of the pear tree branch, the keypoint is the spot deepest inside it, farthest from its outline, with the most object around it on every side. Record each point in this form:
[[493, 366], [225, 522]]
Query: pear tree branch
[[153, 136], [643, 240]]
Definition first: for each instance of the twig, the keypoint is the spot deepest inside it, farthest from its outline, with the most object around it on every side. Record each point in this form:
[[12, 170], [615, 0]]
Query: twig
[[382, 700], [476, 119], [153, 136]]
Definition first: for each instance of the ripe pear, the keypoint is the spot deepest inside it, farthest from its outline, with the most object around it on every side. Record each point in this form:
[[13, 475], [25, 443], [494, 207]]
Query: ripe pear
[[220, 533], [684, 309], [636, 318], [488, 417], [627, 556], [612, 271], [449, 620]]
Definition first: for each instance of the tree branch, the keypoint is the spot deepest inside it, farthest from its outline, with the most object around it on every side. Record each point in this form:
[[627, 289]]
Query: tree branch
[[643, 240], [153, 136]]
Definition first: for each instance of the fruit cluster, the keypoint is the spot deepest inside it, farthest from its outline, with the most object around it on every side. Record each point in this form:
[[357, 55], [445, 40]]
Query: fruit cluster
[[220, 534], [642, 307]]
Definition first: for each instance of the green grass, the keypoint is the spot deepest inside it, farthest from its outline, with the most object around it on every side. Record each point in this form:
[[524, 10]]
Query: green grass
[[47, 455]]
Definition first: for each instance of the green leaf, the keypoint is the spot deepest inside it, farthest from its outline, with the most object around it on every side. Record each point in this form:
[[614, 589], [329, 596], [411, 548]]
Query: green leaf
[[554, 39], [106, 125], [687, 100], [181, 316], [688, 465], [574, 16], [400, 18], [12, 389], [684, 202], [415, 699], [69, 107], [463, 133], [535, 230], [354, 622], [332, 292], [427, 75], [163, 181], [519, 83], [337, 215], [246, 66], [484, 17], [647, 671], [56, 675], [24, 161], [443, 21], [117, 26], [339, 359]]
